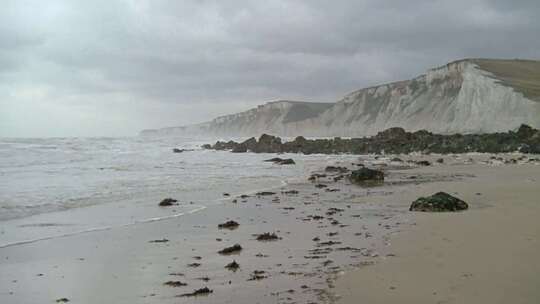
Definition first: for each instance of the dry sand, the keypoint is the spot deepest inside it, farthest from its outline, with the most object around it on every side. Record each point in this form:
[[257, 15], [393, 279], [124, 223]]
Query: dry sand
[[488, 254]]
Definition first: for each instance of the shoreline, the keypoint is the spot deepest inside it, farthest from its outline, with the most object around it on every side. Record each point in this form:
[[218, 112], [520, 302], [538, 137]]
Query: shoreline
[[486, 254], [296, 269]]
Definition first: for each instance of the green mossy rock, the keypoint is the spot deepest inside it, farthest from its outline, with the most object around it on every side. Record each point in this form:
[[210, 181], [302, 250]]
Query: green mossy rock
[[438, 202]]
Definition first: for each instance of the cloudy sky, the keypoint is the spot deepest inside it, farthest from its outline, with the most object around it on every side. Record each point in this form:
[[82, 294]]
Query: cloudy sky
[[110, 68]]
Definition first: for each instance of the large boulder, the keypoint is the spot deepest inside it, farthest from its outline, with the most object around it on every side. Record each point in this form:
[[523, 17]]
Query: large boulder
[[438, 202], [363, 175], [250, 144]]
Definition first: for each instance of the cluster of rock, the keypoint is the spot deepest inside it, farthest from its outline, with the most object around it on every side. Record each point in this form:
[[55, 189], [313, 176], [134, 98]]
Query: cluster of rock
[[394, 141]]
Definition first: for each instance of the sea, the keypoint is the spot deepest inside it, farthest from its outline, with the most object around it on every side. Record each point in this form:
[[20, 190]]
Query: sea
[[57, 187]]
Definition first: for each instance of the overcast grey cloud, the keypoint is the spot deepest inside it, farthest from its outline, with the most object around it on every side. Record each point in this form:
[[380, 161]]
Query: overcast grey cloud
[[95, 68]]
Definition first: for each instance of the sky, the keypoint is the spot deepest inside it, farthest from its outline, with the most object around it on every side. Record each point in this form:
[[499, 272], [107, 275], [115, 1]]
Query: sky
[[115, 67]]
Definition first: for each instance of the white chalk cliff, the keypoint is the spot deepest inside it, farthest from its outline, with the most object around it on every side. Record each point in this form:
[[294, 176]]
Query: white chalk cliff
[[466, 96]]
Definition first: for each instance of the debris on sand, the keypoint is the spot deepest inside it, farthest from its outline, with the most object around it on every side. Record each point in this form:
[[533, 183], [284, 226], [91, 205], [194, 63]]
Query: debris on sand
[[158, 241], [281, 161], [198, 292], [233, 266], [365, 175], [230, 250], [257, 275], [176, 150], [290, 192], [438, 202], [175, 284], [267, 236], [168, 202], [423, 163], [336, 169], [194, 265], [229, 225], [265, 193]]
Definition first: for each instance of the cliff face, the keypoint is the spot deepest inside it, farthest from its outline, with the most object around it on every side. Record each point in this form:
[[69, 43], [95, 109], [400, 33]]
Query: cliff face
[[467, 96]]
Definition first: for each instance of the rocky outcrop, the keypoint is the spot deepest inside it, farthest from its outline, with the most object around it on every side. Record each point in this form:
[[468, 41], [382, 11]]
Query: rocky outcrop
[[398, 141], [438, 202], [467, 96]]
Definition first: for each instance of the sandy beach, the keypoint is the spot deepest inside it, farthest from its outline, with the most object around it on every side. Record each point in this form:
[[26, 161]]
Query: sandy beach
[[336, 242], [487, 254]]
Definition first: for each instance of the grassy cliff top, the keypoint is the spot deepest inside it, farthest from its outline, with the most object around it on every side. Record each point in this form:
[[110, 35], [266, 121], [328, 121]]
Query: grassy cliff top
[[522, 75]]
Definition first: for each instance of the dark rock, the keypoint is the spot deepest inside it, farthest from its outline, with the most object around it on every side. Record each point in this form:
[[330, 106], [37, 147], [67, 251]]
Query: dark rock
[[232, 266], [398, 141], [438, 202], [267, 236], [230, 250], [290, 192], [321, 186], [288, 161], [440, 160], [257, 275], [241, 148], [365, 174], [274, 160], [198, 292], [423, 163], [176, 150], [175, 284], [194, 265], [250, 144], [168, 202], [62, 300], [159, 241], [265, 193], [229, 225], [336, 169], [395, 159]]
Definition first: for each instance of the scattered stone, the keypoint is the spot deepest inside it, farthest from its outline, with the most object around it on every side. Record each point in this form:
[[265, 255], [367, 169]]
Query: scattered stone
[[194, 265], [257, 275], [168, 202], [229, 225], [265, 193], [321, 186], [198, 292], [62, 300], [291, 192], [281, 161], [232, 266], [440, 160], [231, 250], [226, 194], [423, 163], [267, 236], [363, 175], [158, 241], [176, 150], [175, 284], [336, 169], [288, 161], [438, 202]]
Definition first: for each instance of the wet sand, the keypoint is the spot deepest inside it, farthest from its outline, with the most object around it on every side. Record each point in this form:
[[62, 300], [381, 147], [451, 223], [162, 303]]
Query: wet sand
[[488, 254], [322, 234]]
